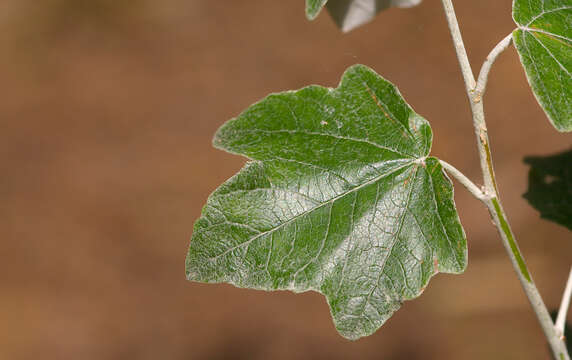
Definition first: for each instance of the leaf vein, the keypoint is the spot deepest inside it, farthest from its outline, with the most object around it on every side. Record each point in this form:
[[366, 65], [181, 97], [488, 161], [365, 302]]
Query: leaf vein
[[310, 210]]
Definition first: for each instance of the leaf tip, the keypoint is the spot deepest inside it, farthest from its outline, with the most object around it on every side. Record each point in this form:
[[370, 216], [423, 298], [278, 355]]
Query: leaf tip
[[563, 128], [191, 276], [313, 8], [220, 137]]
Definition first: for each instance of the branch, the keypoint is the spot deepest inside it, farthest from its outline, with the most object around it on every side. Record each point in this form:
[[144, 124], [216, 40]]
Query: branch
[[561, 319], [486, 68], [465, 181], [476, 106], [497, 213], [555, 340]]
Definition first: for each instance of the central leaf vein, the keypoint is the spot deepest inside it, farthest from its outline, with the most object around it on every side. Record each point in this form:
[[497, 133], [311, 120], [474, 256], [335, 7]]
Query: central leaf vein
[[309, 211]]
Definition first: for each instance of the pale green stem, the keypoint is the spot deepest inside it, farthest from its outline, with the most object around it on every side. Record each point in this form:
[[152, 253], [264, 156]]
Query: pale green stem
[[561, 319], [497, 213], [490, 60], [465, 181]]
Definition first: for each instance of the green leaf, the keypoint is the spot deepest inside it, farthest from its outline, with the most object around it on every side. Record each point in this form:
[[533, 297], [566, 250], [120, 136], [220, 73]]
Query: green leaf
[[313, 8], [550, 187], [341, 199], [350, 14], [543, 40]]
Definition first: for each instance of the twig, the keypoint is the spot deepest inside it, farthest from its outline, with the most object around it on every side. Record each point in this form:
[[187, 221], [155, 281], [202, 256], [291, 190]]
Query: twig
[[497, 213], [555, 341], [561, 319], [486, 68], [465, 181], [476, 106], [459, 45]]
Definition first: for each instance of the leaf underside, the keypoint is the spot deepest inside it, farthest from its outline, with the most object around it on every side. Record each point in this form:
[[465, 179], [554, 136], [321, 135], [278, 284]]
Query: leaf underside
[[350, 14], [550, 187], [340, 198], [543, 40]]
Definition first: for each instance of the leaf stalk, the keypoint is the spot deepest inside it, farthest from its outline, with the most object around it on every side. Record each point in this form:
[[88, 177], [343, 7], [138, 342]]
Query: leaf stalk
[[487, 65], [465, 181], [561, 319]]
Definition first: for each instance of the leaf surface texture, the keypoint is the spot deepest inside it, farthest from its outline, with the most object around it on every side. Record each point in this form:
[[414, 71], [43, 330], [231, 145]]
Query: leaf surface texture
[[340, 198]]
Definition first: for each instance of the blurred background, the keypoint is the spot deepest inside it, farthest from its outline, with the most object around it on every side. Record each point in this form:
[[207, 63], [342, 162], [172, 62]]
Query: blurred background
[[107, 110]]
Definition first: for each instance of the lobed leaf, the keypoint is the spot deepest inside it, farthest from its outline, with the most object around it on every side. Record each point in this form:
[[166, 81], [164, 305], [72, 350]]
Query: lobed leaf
[[340, 198], [543, 40]]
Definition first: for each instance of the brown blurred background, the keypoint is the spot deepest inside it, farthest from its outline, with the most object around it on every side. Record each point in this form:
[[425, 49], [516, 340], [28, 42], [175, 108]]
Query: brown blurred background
[[107, 109]]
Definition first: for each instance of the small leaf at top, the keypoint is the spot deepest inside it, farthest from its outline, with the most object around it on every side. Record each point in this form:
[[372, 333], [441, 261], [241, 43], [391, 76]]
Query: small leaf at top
[[350, 14], [313, 8], [543, 40], [550, 187], [340, 198]]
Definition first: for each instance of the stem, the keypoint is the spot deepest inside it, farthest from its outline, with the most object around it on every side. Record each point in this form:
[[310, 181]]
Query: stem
[[468, 184], [466, 70], [555, 340], [476, 106], [497, 213], [486, 68], [561, 319]]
